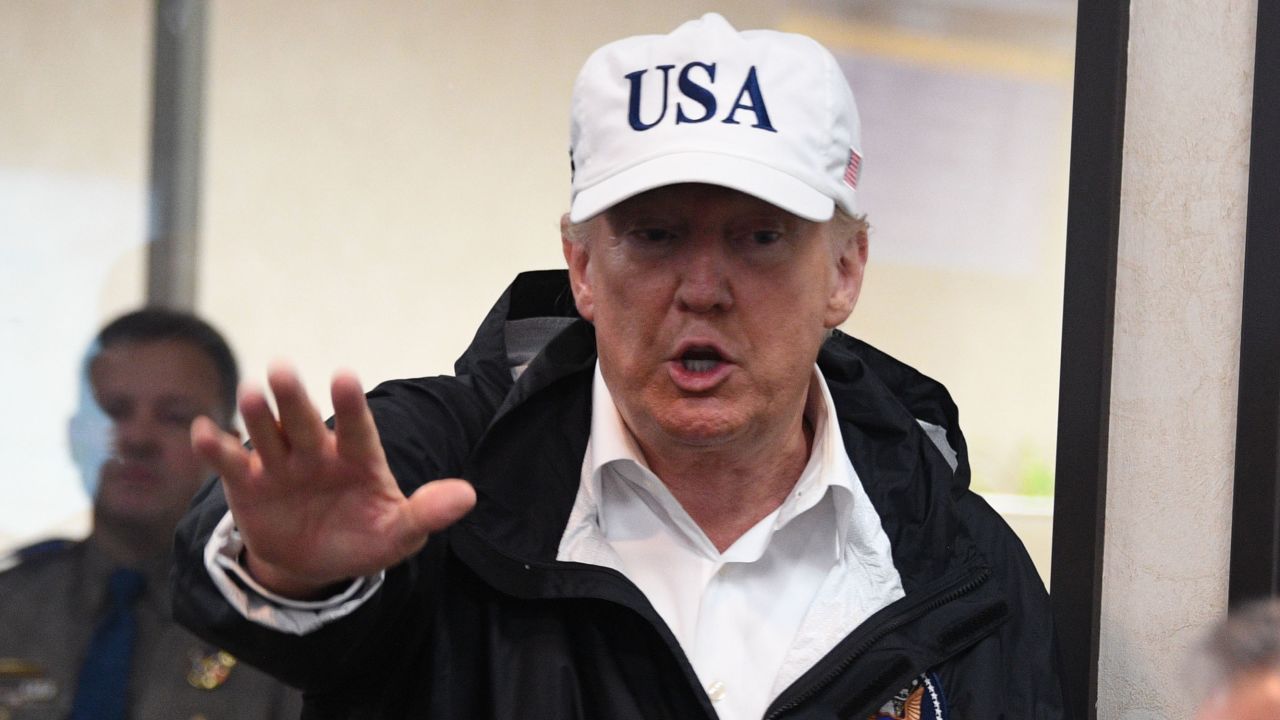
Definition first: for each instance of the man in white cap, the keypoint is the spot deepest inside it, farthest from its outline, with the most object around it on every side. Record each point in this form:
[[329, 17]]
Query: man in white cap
[[676, 491]]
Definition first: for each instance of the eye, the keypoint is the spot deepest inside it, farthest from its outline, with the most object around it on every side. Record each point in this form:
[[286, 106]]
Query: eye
[[176, 413], [652, 236], [764, 242]]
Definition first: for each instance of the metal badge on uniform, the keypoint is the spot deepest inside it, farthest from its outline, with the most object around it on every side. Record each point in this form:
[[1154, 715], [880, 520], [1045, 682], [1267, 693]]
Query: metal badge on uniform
[[921, 700], [210, 671], [24, 683]]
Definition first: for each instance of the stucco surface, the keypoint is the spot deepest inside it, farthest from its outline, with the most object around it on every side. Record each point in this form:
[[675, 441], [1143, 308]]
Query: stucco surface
[[1176, 351]]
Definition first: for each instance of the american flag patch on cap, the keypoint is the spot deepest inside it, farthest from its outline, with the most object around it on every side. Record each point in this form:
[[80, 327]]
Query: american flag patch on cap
[[853, 169]]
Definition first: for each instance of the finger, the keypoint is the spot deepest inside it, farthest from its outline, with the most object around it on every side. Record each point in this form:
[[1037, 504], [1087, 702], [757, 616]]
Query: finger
[[357, 435], [434, 507], [264, 431], [221, 450], [304, 430]]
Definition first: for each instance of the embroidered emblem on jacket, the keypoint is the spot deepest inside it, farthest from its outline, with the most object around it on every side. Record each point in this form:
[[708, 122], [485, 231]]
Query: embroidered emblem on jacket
[[921, 700]]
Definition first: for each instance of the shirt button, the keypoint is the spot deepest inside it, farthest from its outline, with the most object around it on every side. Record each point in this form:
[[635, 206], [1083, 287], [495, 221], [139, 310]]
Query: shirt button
[[715, 691]]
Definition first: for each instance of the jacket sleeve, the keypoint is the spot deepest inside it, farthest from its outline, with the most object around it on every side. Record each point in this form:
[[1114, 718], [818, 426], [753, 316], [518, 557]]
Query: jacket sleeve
[[427, 427]]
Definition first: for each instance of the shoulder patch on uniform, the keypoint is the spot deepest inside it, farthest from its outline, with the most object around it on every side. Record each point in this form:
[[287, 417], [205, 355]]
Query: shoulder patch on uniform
[[44, 547], [921, 700], [35, 551]]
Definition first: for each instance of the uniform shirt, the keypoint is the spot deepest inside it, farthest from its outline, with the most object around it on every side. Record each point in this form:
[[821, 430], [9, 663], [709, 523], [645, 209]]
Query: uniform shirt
[[751, 620], [50, 605]]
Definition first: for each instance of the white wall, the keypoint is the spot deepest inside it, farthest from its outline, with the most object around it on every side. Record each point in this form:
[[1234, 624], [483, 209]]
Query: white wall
[[74, 120], [376, 172], [374, 180], [1176, 351]]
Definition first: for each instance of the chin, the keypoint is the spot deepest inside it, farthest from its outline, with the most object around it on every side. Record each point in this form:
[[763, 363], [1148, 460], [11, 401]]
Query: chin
[[699, 427], [132, 509]]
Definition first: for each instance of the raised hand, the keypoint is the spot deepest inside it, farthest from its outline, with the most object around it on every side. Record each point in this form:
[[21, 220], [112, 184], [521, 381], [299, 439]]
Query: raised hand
[[316, 506]]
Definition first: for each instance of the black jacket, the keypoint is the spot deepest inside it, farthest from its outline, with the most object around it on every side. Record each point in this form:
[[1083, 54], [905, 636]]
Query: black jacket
[[485, 623]]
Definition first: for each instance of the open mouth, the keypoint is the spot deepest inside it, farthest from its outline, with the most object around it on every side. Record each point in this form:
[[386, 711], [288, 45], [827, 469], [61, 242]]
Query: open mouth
[[700, 359], [699, 367]]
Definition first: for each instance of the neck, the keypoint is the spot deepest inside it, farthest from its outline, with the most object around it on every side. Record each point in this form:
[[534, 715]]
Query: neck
[[728, 489]]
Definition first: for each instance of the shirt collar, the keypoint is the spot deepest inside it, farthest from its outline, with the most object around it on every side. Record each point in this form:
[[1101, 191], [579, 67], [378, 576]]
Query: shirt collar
[[828, 467], [611, 440]]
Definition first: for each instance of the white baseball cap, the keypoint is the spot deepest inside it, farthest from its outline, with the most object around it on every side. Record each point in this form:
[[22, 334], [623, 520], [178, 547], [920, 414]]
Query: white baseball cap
[[763, 112]]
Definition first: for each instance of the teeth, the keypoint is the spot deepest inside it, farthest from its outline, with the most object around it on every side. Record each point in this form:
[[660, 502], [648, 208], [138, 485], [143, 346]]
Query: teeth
[[699, 365]]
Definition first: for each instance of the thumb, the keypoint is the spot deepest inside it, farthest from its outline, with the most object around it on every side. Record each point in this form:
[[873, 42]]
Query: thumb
[[437, 505]]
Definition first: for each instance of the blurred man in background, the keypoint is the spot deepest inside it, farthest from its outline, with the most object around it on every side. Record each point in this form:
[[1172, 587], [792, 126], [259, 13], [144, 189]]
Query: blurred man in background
[[85, 627], [1237, 667]]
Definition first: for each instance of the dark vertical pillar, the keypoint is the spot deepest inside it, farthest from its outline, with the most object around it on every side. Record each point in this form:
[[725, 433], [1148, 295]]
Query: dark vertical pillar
[[174, 199], [1093, 223], [1255, 517]]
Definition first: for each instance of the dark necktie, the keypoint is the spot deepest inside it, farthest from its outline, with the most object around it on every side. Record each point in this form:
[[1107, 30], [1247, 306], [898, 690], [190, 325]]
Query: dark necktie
[[103, 687]]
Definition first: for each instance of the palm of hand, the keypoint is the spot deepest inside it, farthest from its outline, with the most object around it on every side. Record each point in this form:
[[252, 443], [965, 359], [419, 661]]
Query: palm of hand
[[316, 506]]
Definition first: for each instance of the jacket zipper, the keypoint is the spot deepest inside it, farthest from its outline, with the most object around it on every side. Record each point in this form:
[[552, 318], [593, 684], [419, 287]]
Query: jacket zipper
[[879, 635]]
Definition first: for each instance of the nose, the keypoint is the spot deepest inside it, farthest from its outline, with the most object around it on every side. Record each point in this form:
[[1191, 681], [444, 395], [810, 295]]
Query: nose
[[704, 277], [135, 437]]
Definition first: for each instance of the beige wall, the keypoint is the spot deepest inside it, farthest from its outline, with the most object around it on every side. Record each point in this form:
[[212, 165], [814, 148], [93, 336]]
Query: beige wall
[[376, 177], [1176, 351], [74, 121], [376, 172]]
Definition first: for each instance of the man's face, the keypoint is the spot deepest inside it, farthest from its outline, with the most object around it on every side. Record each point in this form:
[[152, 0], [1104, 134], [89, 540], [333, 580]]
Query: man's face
[[1255, 696], [709, 307], [151, 391]]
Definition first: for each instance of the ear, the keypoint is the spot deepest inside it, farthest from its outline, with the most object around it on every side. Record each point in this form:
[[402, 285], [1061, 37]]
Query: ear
[[850, 264], [578, 257]]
